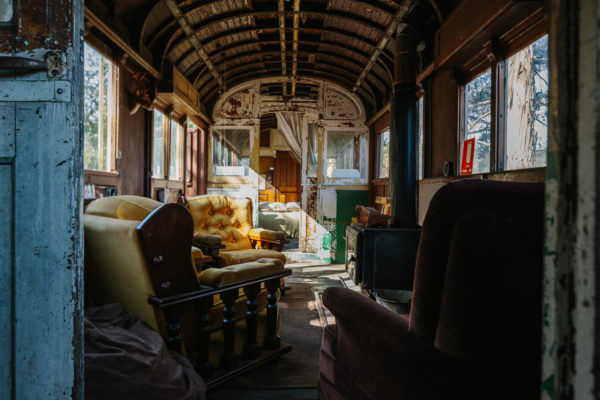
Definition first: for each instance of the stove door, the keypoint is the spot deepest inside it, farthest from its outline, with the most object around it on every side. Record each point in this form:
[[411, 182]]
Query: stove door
[[353, 256]]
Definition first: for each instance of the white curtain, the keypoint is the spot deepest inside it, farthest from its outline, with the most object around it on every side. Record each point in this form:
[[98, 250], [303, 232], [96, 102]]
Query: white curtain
[[290, 125]]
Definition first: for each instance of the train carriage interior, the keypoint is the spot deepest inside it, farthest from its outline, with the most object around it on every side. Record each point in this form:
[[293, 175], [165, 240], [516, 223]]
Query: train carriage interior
[[299, 199]]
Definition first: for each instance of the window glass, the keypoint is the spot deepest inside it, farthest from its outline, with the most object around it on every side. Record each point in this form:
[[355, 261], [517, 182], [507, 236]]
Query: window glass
[[383, 146], [98, 106], [176, 151], [526, 127], [343, 154], [313, 143], [478, 94], [420, 139], [231, 151], [158, 145]]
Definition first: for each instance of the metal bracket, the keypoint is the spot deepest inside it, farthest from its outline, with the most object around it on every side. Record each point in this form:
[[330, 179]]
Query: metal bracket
[[55, 64]]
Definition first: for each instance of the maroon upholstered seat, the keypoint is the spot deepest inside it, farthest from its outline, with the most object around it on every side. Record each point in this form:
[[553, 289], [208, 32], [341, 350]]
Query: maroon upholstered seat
[[474, 330]]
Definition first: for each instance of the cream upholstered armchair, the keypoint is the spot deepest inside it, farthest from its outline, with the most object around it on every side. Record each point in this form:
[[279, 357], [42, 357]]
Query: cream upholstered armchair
[[223, 229], [137, 253]]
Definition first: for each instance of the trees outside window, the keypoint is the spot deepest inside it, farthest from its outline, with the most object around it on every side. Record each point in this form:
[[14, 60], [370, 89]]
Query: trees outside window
[[99, 109], [478, 95], [526, 104], [158, 145], [517, 136]]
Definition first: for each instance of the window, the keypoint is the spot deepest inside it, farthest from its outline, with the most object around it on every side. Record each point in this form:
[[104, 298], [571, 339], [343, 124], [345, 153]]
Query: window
[[526, 107], [343, 154], [176, 153], [99, 109], [477, 119], [506, 123], [231, 151], [158, 145], [383, 154], [420, 139], [312, 154]]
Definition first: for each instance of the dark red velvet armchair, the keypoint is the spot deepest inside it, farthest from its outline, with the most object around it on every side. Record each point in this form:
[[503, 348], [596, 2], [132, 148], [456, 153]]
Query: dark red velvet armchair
[[474, 330]]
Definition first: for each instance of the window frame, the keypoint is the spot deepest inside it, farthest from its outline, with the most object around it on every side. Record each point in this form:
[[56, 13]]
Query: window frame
[[363, 168], [493, 56], [114, 111], [215, 130], [179, 152]]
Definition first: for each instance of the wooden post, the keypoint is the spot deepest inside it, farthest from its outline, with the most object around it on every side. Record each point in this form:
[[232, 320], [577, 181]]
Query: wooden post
[[203, 337], [272, 340], [251, 348], [173, 316], [229, 359]]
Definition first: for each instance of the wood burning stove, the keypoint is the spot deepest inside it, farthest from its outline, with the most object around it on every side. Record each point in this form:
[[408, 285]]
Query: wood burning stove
[[381, 258]]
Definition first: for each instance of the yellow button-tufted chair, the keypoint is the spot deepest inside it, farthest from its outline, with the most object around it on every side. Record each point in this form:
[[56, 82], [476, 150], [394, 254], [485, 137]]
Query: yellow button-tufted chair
[[223, 228], [137, 253]]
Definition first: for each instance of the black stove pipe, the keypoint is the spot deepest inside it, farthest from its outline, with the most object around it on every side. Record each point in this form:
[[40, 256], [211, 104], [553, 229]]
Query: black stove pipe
[[403, 208]]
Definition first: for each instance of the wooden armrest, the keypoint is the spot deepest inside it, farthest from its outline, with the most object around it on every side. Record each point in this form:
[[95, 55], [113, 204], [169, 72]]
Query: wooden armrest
[[205, 291]]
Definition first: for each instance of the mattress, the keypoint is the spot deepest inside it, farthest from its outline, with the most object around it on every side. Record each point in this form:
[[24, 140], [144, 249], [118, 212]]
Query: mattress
[[286, 221]]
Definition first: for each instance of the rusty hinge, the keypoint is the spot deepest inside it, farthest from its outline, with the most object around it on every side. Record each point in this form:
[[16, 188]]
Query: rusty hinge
[[54, 63]]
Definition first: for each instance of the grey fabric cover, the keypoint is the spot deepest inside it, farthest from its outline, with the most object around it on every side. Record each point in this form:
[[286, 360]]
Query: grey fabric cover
[[286, 221], [126, 359]]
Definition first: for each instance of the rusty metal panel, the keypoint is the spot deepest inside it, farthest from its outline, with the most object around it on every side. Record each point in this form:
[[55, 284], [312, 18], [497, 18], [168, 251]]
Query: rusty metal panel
[[40, 25]]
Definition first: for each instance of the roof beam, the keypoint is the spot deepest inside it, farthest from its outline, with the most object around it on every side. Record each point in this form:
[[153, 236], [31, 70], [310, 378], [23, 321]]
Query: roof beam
[[213, 22], [245, 30], [200, 80], [399, 17], [281, 17], [187, 28], [296, 24]]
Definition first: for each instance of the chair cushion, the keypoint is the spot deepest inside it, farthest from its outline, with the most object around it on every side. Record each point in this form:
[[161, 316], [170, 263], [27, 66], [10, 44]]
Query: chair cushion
[[243, 256], [228, 217], [268, 234], [217, 277], [132, 208]]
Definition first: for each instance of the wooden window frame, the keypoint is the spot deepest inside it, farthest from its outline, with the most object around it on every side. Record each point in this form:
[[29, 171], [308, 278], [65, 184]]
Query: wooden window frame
[[493, 56]]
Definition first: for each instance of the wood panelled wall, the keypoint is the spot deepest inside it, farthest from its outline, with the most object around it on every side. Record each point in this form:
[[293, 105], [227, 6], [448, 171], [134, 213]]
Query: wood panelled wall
[[132, 140], [442, 100]]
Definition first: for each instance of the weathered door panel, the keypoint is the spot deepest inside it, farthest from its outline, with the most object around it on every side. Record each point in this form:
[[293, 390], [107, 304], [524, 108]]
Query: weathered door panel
[[41, 354]]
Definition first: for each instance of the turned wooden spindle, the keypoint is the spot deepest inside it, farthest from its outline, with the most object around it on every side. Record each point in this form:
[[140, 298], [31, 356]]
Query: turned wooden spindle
[[272, 340], [251, 348], [203, 337], [229, 359], [173, 317]]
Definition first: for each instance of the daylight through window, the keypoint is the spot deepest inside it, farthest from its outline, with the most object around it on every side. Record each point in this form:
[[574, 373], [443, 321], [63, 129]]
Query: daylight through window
[[526, 127], [478, 95], [99, 108], [158, 145]]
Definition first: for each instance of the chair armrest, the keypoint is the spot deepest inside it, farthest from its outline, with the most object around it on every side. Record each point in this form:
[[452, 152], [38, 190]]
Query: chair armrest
[[206, 240], [218, 277], [374, 353], [209, 244], [264, 238]]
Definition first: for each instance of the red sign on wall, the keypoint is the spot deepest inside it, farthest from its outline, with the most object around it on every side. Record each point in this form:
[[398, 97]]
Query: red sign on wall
[[466, 166]]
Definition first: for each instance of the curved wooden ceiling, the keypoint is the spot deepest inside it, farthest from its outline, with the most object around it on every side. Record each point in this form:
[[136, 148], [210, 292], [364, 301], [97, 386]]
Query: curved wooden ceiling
[[217, 44]]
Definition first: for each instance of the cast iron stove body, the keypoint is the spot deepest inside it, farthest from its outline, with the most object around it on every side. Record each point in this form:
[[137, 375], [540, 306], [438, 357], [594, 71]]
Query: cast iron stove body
[[381, 258]]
